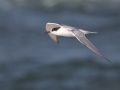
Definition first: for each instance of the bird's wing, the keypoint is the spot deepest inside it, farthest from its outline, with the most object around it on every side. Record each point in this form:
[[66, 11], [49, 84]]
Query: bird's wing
[[49, 27], [81, 37], [54, 37]]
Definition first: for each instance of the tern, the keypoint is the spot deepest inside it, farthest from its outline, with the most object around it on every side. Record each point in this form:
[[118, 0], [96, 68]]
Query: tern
[[54, 30]]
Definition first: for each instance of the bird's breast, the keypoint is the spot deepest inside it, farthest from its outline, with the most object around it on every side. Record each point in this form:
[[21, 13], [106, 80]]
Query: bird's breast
[[63, 32]]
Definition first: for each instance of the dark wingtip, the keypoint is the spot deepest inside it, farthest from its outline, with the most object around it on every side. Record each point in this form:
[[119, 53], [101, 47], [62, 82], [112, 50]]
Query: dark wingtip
[[110, 61], [107, 60]]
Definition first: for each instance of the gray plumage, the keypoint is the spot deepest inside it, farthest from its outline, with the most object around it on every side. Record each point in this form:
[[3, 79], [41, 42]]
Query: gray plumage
[[54, 30]]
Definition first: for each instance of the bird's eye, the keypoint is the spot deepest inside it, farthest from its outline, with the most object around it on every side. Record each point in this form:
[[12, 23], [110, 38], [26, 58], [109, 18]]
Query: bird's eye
[[55, 29]]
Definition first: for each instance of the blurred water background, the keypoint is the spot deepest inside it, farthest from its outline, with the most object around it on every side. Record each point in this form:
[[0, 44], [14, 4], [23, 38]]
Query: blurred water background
[[31, 60]]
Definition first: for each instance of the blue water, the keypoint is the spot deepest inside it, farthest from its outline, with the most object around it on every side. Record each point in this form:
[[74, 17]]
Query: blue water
[[31, 60]]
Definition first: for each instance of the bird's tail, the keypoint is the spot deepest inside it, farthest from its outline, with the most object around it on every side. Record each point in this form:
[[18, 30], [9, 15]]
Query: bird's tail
[[86, 32]]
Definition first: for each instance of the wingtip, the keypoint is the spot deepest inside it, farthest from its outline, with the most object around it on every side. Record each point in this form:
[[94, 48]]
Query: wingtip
[[108, 60]]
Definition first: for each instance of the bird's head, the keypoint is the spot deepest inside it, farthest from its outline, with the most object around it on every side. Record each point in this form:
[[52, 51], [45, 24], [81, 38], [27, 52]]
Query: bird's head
[[52, 27]]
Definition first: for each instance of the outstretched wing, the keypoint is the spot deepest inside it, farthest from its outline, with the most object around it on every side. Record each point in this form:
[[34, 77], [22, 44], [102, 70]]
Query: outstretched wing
[[49, 27], [54, 37], [81, 37]]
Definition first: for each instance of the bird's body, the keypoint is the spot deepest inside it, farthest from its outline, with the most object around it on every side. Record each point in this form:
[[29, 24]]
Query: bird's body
[[54, 30], [63, 32]]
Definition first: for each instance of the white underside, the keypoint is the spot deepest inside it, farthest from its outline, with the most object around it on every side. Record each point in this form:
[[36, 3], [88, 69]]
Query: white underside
[[63, 32]]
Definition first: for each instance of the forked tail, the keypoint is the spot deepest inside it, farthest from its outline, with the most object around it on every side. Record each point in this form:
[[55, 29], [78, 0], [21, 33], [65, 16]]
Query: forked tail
[[86, 32]]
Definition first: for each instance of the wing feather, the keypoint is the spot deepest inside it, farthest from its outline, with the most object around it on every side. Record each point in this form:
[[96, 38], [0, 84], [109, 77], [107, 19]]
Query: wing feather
[[49, 27], [81, 37], [54, 37]]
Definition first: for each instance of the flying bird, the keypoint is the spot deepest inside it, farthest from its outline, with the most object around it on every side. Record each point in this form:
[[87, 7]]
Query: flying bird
[[54, 30]]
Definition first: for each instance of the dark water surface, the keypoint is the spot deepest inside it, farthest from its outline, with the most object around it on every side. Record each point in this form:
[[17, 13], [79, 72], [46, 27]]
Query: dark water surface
[[30, 60]]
